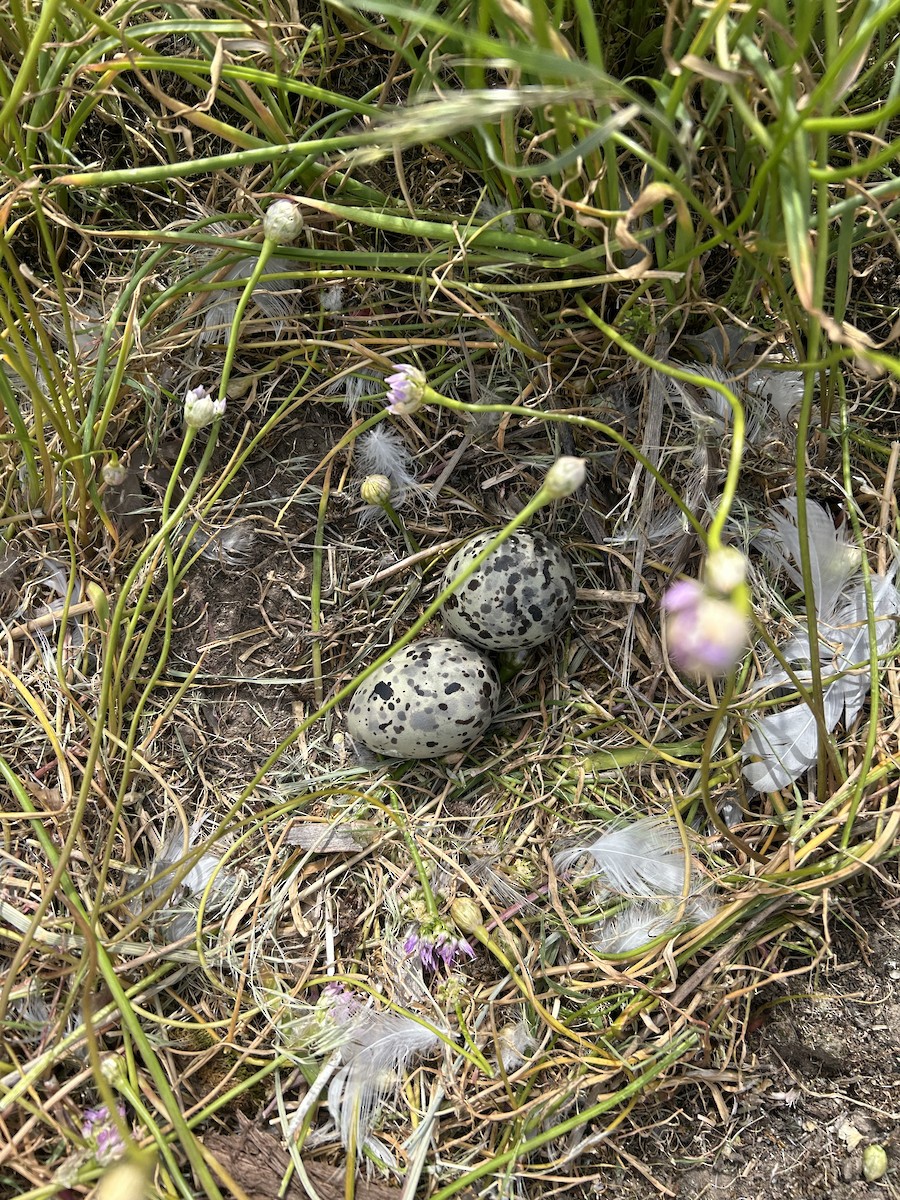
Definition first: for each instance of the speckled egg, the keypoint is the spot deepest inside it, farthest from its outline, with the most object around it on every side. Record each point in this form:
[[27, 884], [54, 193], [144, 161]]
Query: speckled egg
[[518, 598], [433, 697]]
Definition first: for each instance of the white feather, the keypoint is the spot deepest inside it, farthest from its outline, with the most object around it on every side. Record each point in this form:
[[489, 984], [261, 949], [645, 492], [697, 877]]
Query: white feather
[[784, 745], [632, 927], [178, 917], [375, 1055], [497, 884], [354, 387], [851, 619], [782, 389], [230, 546], [382, 451], [515, 1045], [269, 296], [641, 921], [833, 558], [644, 859], [786, 742]]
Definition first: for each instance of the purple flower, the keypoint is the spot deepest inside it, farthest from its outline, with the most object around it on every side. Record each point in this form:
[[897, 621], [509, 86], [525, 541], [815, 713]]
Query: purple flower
[[705, 633], [342, 1004], [102, 1134], [438, 947], [406, 390]]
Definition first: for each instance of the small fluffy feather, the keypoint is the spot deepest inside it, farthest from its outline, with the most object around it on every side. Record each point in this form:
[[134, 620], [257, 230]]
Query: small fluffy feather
[[516, 1044], [782, 389], [382, 451], [230, 546], [645, 862], [645, 858], [784, 745], [632, 927], [178, 917], [496, 883], [375, 1055], [643, 920], [270, 297], [354, 387]]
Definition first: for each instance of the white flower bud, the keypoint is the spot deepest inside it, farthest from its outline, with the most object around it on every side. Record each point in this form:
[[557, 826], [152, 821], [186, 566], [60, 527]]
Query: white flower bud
[[283, 221], [113, 475], [113, 1070], [565, 477], [200, 409], [726, 569], [128, 1179]]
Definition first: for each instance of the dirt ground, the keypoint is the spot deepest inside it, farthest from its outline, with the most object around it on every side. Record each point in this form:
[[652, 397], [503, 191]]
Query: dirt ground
[[819, 1082]]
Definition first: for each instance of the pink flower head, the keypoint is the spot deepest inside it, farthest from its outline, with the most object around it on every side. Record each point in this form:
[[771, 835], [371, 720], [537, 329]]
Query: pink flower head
[[439, 947], [342, 1004], [102, 1134], [704, 633], [406, 390]]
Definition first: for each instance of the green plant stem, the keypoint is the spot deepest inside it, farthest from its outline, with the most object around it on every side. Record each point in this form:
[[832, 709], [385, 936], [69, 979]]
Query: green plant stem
[[266, 250]]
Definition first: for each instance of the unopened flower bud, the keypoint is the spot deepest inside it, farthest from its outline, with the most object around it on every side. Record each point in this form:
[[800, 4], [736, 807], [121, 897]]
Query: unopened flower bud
[[565, 477], [113, 475], [376, 489], [113, 1070], [128, 1179], [466, 914], [200, 409], [704, 632], [725, 570], [283, 221]]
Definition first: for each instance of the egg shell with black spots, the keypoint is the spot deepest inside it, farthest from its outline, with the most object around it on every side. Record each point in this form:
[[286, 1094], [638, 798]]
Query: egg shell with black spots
[[434, 697], [520, 596]]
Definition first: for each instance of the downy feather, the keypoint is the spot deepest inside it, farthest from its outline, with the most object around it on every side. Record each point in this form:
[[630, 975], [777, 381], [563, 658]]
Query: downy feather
[[643, 920], [382, 451], [632, 927], [375, 1055], [645, 858], [178, 917], [782, 389], [785, 744], [833, 558], [270, 296]]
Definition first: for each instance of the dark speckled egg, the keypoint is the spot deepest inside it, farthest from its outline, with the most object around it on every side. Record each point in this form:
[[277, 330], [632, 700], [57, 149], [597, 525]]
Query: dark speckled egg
[[519, 597], [433, 697]]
